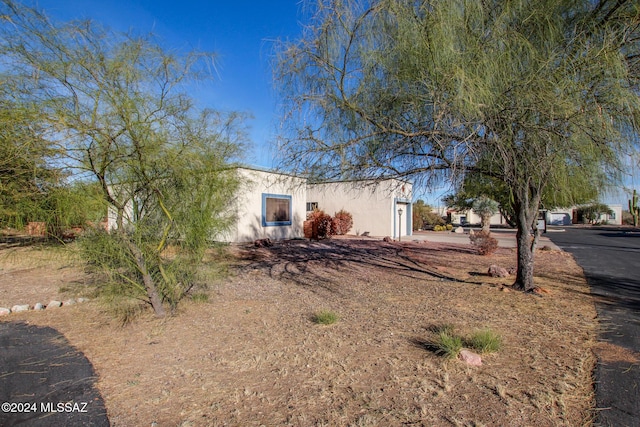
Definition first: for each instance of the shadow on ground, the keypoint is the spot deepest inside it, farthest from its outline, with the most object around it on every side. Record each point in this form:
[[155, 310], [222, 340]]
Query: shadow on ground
[[44, 381], [290, 260]]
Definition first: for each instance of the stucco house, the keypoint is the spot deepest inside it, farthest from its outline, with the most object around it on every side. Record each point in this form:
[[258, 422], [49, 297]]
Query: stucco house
[[268, 205], [469, 217], [378, 208], [275, 205]]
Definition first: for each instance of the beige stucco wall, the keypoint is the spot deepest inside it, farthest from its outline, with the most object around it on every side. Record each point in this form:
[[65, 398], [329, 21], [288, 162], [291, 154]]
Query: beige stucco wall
[[120, 193], [616, 219], [373, 206], [249, 206]]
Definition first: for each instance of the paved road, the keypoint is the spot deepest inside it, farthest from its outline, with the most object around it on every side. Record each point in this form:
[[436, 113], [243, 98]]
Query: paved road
[[44, 381], [506, 237], [611, 261]]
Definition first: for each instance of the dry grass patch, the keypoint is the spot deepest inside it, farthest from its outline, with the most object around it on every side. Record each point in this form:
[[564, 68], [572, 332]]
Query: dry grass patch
[[325, 317], [31, 274], [250, 356]]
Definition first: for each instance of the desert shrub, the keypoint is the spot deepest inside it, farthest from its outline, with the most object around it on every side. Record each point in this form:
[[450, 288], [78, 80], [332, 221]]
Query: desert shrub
[[325, 317], [118, 276], [447, 227], [590, 214], [424, 217], [322, 224], [342, 222], [446, 342], [484, 242], [485, 341]]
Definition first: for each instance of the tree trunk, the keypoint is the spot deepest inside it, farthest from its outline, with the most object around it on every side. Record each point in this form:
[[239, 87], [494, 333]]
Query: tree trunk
[[149, 284], [120, 220], [536, 238], [524, 277], [486, 224], [526, 215]]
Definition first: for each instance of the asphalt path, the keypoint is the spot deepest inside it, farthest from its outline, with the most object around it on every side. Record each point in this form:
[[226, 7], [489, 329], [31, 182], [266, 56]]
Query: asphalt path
[[44, 381], [506, 237], [610, 258]]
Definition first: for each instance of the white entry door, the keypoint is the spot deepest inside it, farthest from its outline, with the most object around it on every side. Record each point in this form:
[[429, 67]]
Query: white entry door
[[402, 220]]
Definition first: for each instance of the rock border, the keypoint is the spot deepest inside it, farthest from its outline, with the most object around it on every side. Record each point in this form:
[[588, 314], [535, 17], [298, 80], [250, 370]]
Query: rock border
[[22, 308]]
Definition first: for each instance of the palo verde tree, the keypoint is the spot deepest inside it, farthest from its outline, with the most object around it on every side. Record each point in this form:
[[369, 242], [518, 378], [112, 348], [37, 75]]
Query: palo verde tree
[[115, 104], [520, 91], [579, 186], [26, 174], [32, 187]]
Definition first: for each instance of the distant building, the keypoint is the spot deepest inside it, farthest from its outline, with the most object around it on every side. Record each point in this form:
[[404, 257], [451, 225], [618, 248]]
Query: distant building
[[569, 216], [556, 216]]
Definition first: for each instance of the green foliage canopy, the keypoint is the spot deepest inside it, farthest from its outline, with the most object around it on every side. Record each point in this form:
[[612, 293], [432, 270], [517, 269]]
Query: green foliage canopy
[[423, 215], [26, 174], [529, 93], [115, 105]]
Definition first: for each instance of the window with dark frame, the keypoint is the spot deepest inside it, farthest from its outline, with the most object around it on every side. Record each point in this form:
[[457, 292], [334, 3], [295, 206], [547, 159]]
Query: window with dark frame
[[311, 206]]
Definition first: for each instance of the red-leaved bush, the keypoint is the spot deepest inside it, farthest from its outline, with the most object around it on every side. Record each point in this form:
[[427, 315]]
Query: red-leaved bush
[[342, 222], [322, 224], [484, 242]]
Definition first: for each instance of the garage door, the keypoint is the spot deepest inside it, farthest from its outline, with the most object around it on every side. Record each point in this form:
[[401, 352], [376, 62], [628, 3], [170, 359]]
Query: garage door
[[559, 218]]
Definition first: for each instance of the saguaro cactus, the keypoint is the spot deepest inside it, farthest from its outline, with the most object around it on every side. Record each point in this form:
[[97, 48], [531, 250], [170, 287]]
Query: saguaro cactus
[[634, 208]]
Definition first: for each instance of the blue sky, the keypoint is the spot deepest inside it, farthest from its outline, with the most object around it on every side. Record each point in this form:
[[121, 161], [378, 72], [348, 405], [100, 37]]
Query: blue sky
[[240, 33]]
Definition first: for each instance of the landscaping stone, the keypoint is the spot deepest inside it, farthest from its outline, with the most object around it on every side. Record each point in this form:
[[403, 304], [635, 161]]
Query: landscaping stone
[[263, 243], [54, 304], [19, 308], [496, 271], [387, 239], [470, 358], [459, 230], [540, 291]]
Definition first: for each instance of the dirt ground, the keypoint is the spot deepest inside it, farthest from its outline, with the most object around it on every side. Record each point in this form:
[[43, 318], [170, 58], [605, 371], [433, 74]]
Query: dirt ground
[[252, 355]]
